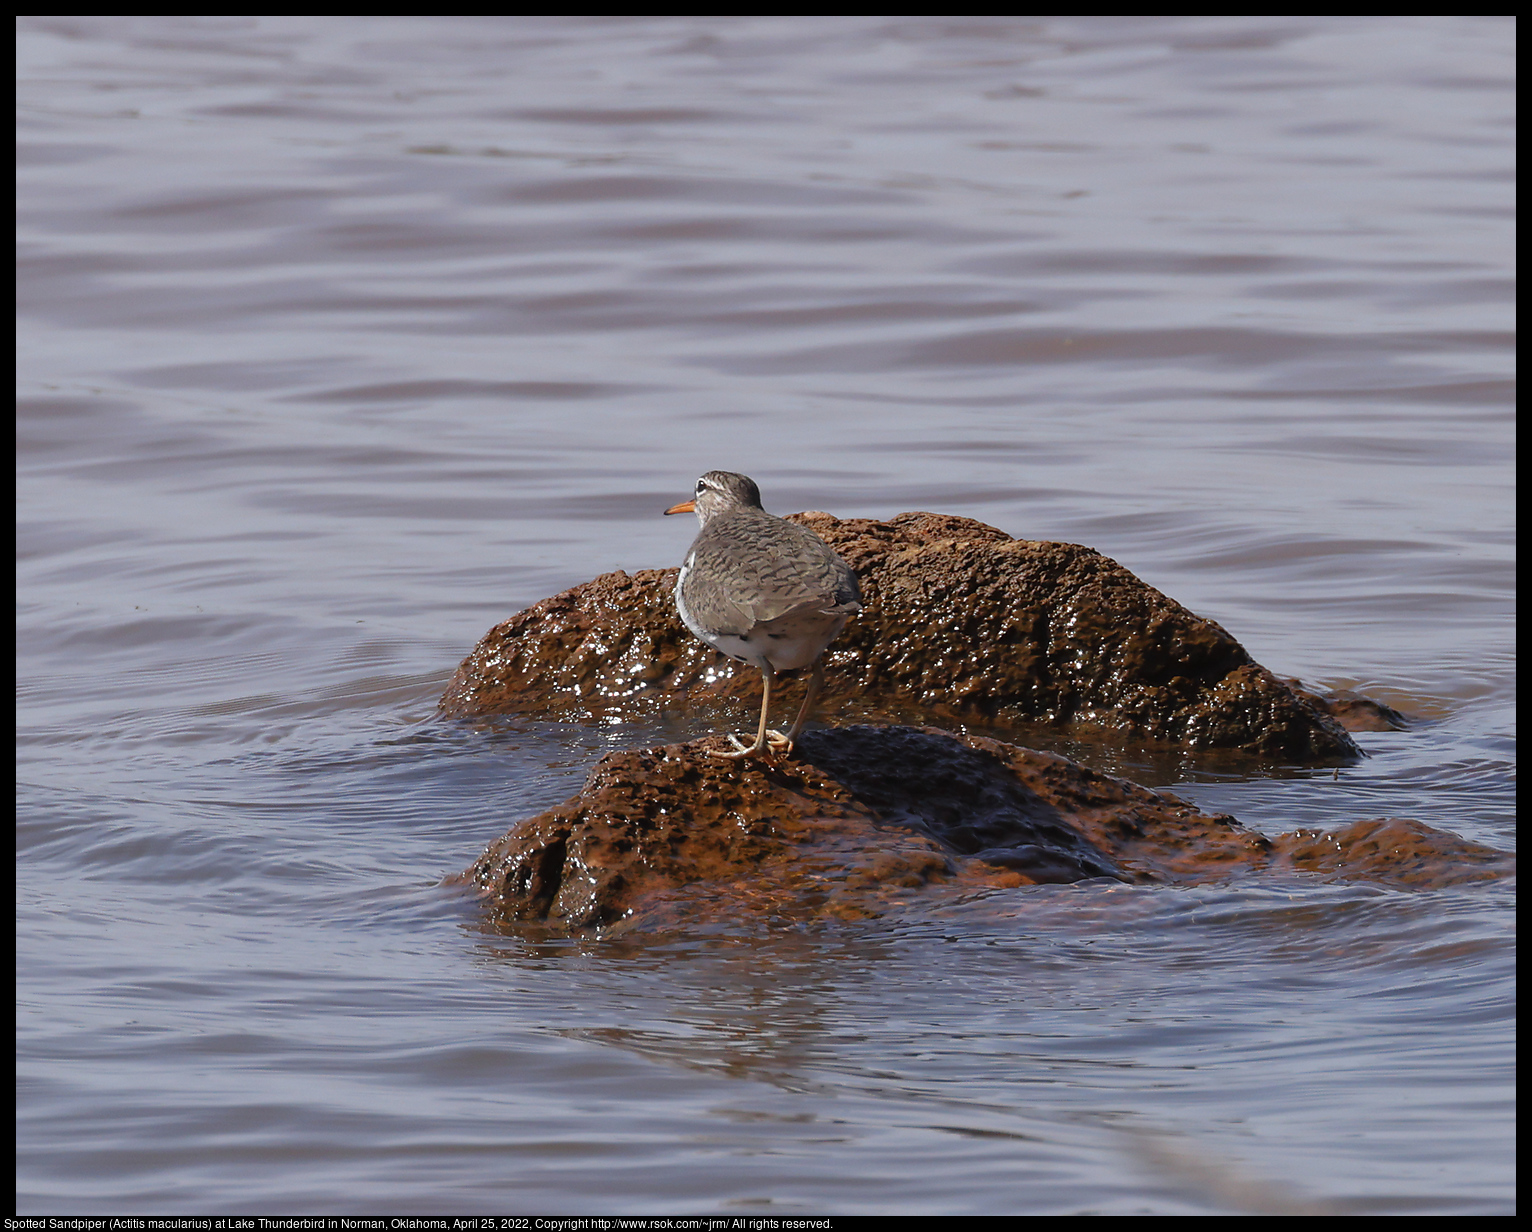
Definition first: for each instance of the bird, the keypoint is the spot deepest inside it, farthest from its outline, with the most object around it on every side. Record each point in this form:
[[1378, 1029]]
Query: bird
[[762, 590]]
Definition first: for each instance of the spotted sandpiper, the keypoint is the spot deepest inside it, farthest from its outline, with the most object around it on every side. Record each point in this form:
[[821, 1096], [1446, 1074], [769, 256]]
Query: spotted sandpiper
[[763, 591]]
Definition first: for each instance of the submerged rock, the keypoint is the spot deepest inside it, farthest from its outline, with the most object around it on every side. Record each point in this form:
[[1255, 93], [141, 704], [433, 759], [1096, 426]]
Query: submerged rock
[[1351, 710], [859, 819], [959, 622]]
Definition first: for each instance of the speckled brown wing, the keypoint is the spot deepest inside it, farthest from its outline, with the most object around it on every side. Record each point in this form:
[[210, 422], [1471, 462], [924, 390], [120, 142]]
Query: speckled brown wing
[[747, 568]]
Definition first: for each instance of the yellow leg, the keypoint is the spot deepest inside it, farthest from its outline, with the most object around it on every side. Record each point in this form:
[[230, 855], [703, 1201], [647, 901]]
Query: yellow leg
[[744, 750], [816, 682]]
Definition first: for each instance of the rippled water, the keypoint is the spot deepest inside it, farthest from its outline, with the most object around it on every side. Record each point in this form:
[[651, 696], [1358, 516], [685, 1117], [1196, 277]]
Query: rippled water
[[344, 338]]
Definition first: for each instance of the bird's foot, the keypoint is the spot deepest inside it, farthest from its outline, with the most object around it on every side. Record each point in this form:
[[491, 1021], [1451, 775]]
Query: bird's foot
[[741, 749], [775, 742]]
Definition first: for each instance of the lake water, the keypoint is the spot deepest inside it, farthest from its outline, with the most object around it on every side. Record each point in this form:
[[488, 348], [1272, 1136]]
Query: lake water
[[342, 339]]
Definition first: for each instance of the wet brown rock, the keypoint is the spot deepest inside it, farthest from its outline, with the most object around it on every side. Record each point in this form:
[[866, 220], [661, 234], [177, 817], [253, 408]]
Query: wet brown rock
[[1396, 851], [959, 622], [859, 819], [1351, 710]]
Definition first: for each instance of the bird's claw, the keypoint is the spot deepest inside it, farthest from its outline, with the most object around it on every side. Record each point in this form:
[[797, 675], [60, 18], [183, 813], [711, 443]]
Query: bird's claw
[[741, 749], [775, 742]]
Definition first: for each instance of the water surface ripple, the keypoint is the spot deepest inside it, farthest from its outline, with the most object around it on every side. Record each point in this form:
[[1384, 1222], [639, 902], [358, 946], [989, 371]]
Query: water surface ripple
[[341, 339]]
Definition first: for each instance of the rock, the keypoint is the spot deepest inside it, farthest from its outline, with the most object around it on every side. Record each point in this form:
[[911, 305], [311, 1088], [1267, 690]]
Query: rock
[[960, 622], [1351, 710], [1395, 851], [860, 819]]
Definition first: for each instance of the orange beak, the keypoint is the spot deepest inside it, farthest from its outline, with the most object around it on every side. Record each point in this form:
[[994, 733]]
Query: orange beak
[[684, 507]]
